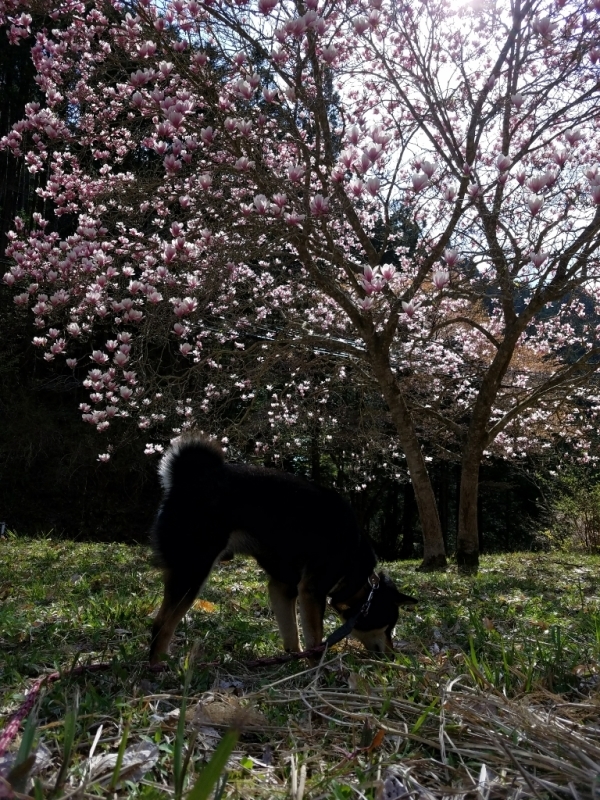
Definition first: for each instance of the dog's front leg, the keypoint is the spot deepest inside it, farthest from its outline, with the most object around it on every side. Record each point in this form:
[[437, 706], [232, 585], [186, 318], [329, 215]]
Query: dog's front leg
[[312, 610], [283, 603]]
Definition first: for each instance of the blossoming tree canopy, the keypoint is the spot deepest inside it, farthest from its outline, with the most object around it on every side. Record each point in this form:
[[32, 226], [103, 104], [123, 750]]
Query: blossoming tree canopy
[[228, 170]]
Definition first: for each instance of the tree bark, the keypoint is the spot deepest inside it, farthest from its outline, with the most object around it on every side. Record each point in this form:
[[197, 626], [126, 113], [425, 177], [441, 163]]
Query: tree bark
[[408, 521], [467, 544], [434, 552], [443, 498]]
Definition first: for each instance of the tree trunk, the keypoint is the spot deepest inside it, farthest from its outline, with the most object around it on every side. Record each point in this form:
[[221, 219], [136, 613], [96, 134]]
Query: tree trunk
[[467, 545], [434, 552], [479, 519], [443, 498], [408, 521]]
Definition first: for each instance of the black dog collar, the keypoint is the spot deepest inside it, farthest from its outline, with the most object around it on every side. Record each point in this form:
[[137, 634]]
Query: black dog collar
[[347, 627]]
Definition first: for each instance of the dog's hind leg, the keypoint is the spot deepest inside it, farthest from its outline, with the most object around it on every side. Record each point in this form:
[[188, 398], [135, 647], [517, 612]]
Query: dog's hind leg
[[283, 602], [181, 589], [312, 610]]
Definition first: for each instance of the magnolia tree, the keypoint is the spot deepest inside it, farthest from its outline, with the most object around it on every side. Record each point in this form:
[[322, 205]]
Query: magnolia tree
[[231, 174]]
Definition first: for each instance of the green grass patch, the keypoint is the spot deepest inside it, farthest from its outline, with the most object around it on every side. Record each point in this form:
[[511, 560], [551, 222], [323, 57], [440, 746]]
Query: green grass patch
[[494, 684]]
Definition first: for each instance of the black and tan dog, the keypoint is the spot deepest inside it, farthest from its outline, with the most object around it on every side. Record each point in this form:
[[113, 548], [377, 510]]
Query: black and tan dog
[[305, 538]]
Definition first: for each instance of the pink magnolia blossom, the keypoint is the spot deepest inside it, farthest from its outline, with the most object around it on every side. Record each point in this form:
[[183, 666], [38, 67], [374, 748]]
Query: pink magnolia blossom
[[245, 127], [296, 172], [451, 257], [410, 308], [387, 272], [574, 136], [261, 203], [319, 205], [353, 134], [369, 273], [99, 357], [363, 164], [474, 190], [361, 24], [120, 359], [169, 253], [449, 194], [207, 135], [294, 218], [537, 259], [544, 26], [535, 204], [375, 150], [296, 27], [366, 303], [372, 185], [367, 286], [329, 54], [419, 181], [183, 308], [536, 183], [172, 164], [356, 187], [374, 18], [244, 164], [560, 157], [279, 56], [441, 278]]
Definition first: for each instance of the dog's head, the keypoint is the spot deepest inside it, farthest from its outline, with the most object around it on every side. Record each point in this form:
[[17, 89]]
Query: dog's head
[[374, 628]]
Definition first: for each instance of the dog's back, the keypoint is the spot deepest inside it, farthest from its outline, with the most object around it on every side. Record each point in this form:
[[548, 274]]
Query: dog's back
[[288, 524]]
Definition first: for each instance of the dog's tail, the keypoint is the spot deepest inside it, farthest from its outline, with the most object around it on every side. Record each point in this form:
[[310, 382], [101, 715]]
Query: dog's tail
[[189, 457]]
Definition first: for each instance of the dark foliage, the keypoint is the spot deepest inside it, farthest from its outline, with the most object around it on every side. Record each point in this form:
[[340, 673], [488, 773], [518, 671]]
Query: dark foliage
[[50, 479]]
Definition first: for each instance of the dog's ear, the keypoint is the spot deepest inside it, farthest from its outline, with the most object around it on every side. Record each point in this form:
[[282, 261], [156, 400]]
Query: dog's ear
[[398, 597], [404, 599]]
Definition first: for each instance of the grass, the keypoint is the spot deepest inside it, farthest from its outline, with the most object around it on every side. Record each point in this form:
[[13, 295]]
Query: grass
[[493, 692]]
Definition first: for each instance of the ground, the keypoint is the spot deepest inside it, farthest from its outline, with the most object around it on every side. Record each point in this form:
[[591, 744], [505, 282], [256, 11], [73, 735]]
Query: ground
[[493, 691]]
